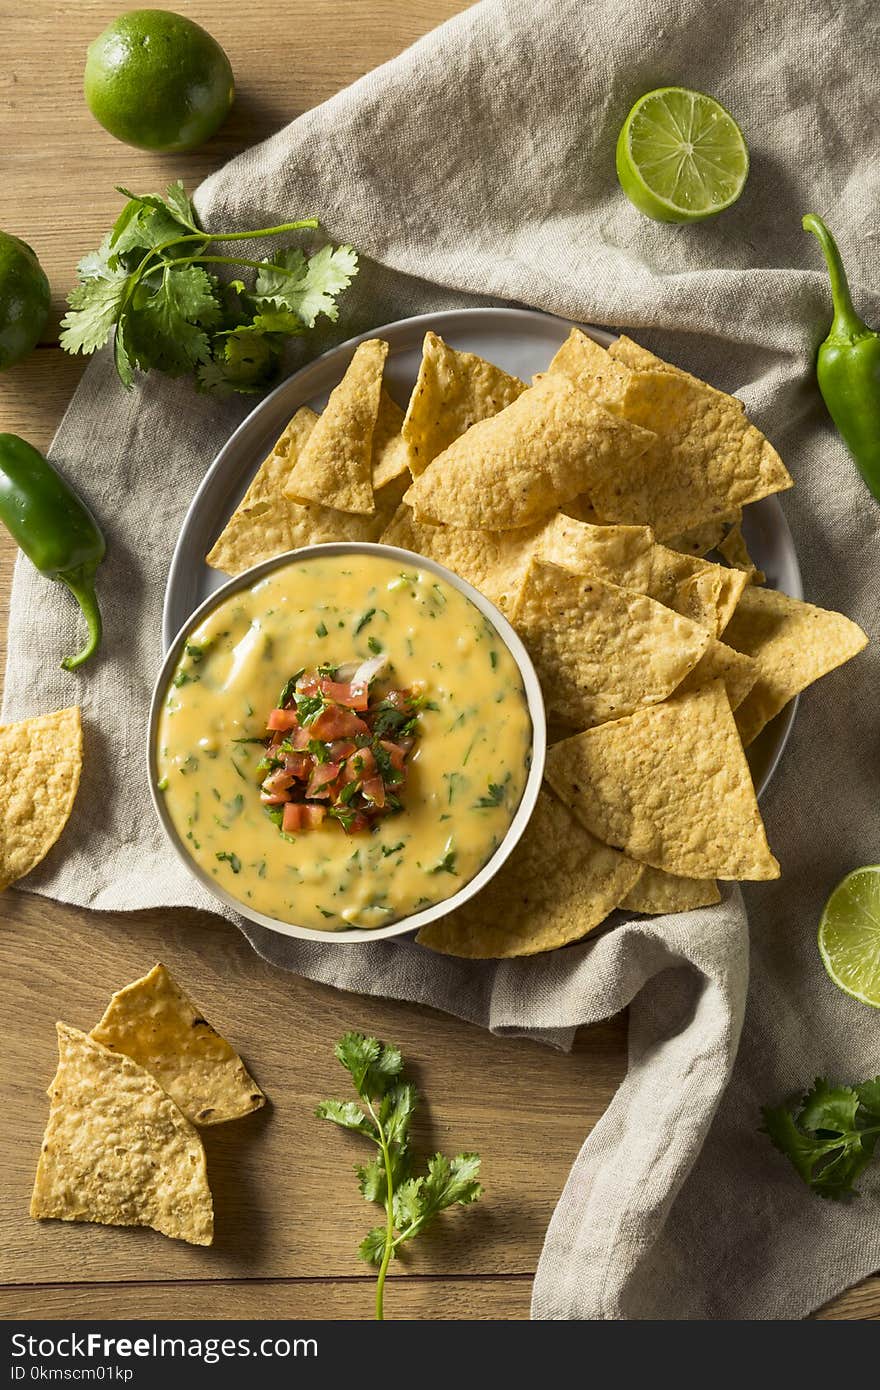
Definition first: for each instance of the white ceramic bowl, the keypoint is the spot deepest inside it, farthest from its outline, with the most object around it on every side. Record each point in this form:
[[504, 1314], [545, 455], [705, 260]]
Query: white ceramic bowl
[[534, 701]]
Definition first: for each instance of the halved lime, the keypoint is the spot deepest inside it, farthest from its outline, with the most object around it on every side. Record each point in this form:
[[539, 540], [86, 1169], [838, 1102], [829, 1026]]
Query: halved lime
[[849, 935], [680, 156]]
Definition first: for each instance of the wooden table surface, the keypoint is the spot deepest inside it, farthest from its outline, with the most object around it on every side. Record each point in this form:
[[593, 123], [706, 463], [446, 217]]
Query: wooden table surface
[[289, 1217]]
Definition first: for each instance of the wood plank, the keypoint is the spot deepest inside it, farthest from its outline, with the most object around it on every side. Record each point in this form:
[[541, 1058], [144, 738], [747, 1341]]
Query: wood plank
[[408, 1298], [61, 167], [477, 1299], [861, 1303], [286, 1199]]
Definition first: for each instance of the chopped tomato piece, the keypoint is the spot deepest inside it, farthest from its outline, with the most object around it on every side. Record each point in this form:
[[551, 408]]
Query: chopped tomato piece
[[322, 775], [353, 696], [363, 762], [341, 748], [298, 816], [282, 719], [298, 765], [395, 753], [335, 722], [356, 824], [300, 739], [374, 790]]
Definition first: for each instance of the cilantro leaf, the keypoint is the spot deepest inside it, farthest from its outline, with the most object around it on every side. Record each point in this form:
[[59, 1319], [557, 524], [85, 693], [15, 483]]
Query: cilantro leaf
[[831, 1137], [372, 1247], [94, 309], [307, 287], [346, 1114]]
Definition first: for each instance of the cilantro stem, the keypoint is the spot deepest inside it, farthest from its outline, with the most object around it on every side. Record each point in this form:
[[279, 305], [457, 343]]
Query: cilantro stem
[[228, 260], [389, 1214]]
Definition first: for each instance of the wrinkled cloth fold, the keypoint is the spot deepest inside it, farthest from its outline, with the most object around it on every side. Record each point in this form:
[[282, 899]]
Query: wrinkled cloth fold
[[478, 168]]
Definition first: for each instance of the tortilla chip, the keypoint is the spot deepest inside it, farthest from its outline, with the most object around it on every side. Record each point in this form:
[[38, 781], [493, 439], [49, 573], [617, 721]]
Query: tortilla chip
[[699, 540], [721, 662], [40, 766], [153, 1022], [601, 651], [735, 551], [266, 523], [334, 467], [117, 1150], [390, 457], [558, 885], [589, 366], [582, 509], [629, 556], [660, 894], [521, 464], [495, 562], [707, 459], [670, 787], [794, 643], [453, 391], [625, 352]]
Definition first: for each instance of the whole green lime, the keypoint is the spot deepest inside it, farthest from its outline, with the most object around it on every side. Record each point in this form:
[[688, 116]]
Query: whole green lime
[[24, 300], [157, 81]]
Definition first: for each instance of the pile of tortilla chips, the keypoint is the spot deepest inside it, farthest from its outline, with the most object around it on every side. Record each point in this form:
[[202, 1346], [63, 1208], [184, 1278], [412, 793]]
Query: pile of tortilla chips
[[121, 1147], [584, 505]]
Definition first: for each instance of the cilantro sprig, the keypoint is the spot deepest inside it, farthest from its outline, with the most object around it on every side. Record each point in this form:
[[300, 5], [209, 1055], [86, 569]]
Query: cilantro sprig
[[388, 1102], [831, 1136], [151, 286]]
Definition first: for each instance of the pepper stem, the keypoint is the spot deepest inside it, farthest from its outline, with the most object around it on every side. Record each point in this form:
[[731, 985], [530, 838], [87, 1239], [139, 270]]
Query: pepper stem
[[81, 583], [847, 325]]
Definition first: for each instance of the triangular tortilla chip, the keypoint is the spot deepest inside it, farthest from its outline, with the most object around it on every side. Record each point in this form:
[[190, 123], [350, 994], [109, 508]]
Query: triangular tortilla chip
[[266, 523], [521, 464], [334, 467], [494, 562], [558, 885], [794, 643], [670, 787], [625, 352], [601, 651], [40, 765], [390, 450], [629, 556], [735, 551], [660, 894], [589, 366], [699, 540], [707, 460], [153, 1022], [721, 662], [117, 1150], [452, 392]]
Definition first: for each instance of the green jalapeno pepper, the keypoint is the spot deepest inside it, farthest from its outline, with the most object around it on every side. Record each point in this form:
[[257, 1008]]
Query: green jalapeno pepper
[[848, 366], [54, 528]]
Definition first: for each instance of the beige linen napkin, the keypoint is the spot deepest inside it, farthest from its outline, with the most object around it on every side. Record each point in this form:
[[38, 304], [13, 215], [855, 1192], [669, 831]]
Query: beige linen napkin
[[480, 163]]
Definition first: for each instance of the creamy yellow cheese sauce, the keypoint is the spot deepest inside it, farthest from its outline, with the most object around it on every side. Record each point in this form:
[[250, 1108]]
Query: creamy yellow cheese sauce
[[465, 776]]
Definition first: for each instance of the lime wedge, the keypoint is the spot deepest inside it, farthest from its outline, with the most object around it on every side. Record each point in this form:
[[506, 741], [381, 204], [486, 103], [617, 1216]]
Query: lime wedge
[[680, 156], [849, 935]]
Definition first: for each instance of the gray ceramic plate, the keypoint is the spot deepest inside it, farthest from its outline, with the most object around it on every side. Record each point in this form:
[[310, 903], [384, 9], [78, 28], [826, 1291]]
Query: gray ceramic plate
[[519, 340]]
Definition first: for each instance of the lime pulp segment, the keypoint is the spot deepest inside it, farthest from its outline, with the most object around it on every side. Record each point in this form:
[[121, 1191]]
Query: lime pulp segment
[[681, 156], [849, 935]]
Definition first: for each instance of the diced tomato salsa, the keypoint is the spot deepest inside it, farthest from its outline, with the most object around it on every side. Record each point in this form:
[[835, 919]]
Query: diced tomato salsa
[[337, 749]]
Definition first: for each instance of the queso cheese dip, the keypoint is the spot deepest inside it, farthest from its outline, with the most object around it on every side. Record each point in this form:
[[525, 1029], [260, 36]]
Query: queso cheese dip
[[467, 750]]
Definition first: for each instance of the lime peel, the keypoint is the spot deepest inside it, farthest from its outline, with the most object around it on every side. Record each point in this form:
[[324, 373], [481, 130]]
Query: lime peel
[[849, 935]]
